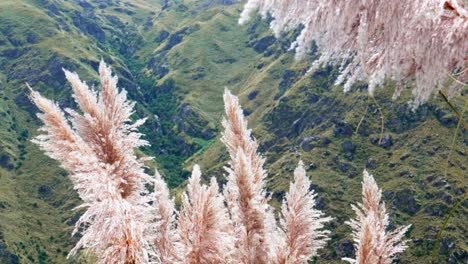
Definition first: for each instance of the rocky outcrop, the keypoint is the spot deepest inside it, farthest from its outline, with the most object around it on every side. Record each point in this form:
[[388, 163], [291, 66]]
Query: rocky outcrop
[[262, 44], [387, 141], [345, 248], [343, 129], [6, 256], [88, 24], [6, 161], [405, 201]]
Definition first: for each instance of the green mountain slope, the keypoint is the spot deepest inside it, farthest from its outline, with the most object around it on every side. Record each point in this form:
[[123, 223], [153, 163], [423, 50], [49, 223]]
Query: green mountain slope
[[175, 58]]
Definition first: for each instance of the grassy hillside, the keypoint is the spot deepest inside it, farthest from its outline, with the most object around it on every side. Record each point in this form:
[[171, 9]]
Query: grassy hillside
[[176, 58]]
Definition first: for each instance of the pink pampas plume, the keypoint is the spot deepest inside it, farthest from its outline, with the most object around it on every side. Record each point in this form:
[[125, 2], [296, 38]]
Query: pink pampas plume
[[254, 223], [98, 152], [374, 245], [375, 40], [204, 225], [302, 224], [163, 233]]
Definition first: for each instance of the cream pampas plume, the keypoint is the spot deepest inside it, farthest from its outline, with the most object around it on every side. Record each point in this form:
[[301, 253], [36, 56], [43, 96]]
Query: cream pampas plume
[[253, 219], [373, 40], [302, 224], [98, 152], [204, 225], [374, 245]]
